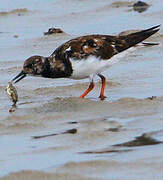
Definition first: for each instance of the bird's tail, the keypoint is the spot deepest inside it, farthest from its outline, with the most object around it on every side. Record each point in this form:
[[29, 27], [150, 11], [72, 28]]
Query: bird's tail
[[135, 38]]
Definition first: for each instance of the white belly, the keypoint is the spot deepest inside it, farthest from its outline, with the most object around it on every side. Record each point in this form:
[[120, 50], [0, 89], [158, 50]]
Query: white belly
[[86, 67]]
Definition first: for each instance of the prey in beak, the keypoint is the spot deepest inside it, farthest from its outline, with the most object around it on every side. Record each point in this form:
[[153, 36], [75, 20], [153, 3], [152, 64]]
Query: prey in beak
[[20, 76]]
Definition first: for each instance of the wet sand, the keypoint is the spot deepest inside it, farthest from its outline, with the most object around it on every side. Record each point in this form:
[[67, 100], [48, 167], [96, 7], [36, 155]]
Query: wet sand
[[118, 138]]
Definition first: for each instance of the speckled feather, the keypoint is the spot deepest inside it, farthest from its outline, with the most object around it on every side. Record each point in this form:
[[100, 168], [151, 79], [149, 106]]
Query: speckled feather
[[96, 51], [102, 46], [84, 57]]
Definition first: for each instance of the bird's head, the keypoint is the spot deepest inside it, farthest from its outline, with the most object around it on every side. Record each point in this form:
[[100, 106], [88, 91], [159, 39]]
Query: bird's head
[[34, 65]]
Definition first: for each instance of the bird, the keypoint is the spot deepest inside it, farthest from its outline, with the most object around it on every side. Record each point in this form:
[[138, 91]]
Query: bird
[[84, 57]]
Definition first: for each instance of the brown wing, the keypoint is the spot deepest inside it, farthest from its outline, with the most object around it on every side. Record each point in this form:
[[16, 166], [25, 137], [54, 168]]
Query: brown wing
[[98, 45], [102, 46]]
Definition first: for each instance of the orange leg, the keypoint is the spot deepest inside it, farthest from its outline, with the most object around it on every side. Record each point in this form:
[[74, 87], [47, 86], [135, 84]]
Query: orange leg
[[103, 79], [91, 86]]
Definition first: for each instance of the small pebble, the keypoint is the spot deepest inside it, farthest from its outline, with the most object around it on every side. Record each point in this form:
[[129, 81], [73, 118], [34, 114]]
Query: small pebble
[[16, 36]]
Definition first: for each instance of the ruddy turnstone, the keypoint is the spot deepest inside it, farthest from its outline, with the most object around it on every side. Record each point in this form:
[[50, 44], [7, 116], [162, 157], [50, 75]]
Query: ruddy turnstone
[[84, 57]]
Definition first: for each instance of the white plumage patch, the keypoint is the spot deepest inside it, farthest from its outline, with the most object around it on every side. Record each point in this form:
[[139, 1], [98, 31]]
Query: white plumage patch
[[68, 49], [92, 65]]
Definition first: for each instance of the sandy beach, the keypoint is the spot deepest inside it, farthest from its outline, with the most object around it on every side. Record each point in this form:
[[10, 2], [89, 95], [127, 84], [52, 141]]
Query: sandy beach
[[54, 134]]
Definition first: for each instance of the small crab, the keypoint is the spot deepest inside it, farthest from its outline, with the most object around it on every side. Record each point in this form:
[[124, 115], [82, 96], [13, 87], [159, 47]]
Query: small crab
[[12, 92]]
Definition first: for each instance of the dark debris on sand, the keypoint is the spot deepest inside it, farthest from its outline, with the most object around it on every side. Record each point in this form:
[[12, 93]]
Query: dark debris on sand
[[152, 97], [69, 131], [143, 140], [53, 31], [140, 6]]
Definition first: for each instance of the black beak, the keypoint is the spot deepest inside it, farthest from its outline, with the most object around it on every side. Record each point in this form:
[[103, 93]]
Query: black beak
[[20, 76]]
